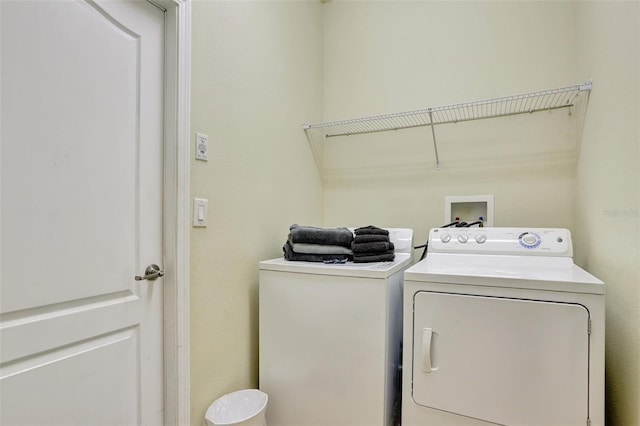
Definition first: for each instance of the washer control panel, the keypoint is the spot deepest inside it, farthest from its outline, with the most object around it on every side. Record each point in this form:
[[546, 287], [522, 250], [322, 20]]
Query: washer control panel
[[515, 241]]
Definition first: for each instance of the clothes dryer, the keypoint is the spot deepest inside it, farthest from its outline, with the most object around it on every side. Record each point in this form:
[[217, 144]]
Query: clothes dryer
[[501, 327], [330, 337]]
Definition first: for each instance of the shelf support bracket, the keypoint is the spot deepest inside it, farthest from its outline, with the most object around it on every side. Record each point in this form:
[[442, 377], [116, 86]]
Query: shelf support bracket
[[316, 148], [433, 134]]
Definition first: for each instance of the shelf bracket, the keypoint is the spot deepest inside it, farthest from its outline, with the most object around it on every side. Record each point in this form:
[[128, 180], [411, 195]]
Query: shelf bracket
[[316, 147], [433, 134], [585, 86]]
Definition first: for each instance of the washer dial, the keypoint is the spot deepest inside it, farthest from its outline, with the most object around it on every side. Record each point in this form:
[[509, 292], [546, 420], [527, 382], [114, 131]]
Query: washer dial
[[529, 240]]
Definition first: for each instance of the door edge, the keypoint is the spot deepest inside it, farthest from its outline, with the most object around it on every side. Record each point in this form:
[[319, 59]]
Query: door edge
[[177, 392]]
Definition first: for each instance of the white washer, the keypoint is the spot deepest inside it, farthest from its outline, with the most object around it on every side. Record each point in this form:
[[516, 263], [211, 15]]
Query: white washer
[[501, 327], [330, 339]]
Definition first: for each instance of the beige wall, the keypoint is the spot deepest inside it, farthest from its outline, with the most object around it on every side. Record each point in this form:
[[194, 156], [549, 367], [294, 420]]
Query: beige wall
[[384, 57], [608, 202], [259, 71], [256, 78]]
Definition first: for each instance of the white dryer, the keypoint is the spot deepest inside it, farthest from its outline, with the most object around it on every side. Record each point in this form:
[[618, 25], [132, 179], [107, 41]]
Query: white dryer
[[501, 327], [330, 337]]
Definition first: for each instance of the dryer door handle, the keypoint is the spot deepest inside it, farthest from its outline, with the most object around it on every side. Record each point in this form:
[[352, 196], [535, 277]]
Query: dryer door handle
[[427, 339]]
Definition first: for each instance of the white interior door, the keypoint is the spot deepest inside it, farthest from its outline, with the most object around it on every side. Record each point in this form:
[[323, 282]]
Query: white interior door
[[505, 361], [81, 212]]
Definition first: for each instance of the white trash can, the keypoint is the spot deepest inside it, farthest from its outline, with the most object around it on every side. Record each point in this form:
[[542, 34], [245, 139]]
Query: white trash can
[[242, 408]]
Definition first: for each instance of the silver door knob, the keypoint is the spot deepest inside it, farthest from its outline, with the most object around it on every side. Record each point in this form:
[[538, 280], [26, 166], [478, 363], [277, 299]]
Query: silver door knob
[[151, 273]]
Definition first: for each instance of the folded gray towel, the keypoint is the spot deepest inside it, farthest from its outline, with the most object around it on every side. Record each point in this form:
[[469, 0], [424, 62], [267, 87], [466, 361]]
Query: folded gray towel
[[372, 248], [289, 254], [370, 238], [328, 236], [370, 230], [319, 248]]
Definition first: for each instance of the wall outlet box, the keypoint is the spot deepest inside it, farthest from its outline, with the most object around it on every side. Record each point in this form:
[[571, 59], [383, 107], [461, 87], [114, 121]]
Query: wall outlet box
[[469, 208], [202, 147]]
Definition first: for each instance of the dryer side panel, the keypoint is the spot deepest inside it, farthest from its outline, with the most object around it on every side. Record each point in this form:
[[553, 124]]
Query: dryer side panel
[[507, 361]]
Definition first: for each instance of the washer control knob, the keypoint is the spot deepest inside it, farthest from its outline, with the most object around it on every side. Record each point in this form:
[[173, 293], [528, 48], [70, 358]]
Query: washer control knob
[[463, 238], [481, 238], [530, 240], [445, 238]]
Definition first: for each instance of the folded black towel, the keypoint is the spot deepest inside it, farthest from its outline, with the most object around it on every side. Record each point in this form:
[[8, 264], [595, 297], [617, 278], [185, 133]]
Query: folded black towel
[[370, 238], [365, 230], [383, 257], [372, 248], [312, 235], [289, 254]]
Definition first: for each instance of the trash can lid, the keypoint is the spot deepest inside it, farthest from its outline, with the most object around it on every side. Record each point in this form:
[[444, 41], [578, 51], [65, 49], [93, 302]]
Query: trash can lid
[[236, 407]]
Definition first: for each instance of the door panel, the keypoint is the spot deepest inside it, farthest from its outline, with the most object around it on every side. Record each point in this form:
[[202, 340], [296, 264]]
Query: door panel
[[81, 157], [44, 404], [508, 361], [69, 154]]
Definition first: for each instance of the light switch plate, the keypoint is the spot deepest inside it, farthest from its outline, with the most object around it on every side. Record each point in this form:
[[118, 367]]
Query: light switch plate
[[200, 212], [202, 147]]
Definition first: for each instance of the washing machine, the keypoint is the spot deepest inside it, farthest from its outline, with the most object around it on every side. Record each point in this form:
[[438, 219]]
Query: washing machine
[[330, 338], [501, 327]]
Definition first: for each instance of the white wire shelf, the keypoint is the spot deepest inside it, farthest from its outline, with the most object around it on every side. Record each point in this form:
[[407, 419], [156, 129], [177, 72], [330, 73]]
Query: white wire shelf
[[544, 100], [498, 107]]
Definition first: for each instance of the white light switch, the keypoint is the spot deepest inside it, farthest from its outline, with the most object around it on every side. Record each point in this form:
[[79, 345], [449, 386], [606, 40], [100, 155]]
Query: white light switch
[[200, 212], [202, 147]]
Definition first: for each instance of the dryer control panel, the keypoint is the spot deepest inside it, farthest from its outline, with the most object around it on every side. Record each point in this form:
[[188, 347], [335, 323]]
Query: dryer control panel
[[507, 241]]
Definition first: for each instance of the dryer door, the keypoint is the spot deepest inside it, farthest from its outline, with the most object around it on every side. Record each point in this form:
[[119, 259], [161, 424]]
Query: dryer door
[[507, 361]]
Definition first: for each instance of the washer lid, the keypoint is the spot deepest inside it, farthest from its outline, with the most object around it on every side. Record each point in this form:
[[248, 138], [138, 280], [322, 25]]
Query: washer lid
[[349, 269], [530, 272]]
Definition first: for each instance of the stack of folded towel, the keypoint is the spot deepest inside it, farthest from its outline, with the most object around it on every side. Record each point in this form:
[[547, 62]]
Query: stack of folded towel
[[372, 244], [311, 244]]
